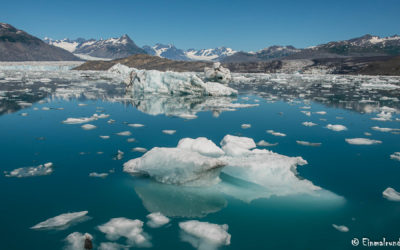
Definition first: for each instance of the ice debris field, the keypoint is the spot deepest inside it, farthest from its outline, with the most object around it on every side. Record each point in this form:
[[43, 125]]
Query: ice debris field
[[142, 158]]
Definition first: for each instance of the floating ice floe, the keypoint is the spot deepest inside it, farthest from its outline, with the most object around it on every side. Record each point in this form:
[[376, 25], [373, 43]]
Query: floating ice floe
[[169, 131], [384, 129], [307, 113], [217, 73], [391, 194], [244, 126], [306, 143], [341, 228], [320, 112], [263, 143], [367, 134], [40, 170], [204, 235], [76, 241], [336, 127], [169, 83], [84, 119], [395, 156], [132, 230], [124, 133], [98, 175], [309, 124], [272, 132], [61, 221], [139, 149], [131, 140], [104, 137], [157, 219], [135, 125], [362, 141], [88, 126]]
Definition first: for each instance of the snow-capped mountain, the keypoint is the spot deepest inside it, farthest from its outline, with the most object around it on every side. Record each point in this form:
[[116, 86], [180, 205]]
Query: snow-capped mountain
[[171, 52], [112, 48]]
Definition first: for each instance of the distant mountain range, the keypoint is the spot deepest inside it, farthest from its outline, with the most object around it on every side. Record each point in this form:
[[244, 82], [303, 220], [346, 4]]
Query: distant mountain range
[[348, 56], [17, 45], [112, 48]]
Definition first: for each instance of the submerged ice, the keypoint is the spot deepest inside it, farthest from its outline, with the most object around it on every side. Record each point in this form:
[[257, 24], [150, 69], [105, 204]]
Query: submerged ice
[[61, 221]]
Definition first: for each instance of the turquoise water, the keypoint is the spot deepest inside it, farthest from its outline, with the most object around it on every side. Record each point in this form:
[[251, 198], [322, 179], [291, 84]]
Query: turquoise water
[[355, 174]]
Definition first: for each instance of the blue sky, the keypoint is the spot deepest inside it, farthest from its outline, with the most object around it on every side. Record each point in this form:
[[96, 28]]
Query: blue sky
[[241, 25]]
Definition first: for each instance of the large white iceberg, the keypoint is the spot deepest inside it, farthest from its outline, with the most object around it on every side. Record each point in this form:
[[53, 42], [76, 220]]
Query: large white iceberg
[[204, 235], [249, 173], [169, 83]]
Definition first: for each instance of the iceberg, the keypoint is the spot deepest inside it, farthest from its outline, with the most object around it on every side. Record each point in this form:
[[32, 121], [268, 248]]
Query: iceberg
[[272, 132], [247, 173], [176, 166], [168, 83], [98, 175], [169, 131], [132, 230], [341, 228], [40, 170], [309, 124], [362, 141], [336, 127], [217, 73], [245, 126], [157, 219], [88, 126], [391, 194], [306, 143], [61, 221], [395, 156], [76, 241], [204, 235]]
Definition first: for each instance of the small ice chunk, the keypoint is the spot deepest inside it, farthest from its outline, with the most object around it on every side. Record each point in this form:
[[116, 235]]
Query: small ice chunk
[[24, 114], [77, 120], [362, 141], [336, 127], [112, 246], [125, 133], [169, 131], [391, 194], [88, 126], [306, 143], [111, 121], [176, 166], [157, 219], [307, 113], [105, 137], [244, 126], [217, 73], [384, 129], [82, 104], [202, 146], [132, 230], [45, 108], [99, 175], [320, 112], [119, 155], [40, 170], [204, 235], [187, 116], [367, 134], [341, 228], [136, 125], [275, 133], [395, 156], [76, 241], [309, 124], [139, 149], [60, 221], [263, 143]]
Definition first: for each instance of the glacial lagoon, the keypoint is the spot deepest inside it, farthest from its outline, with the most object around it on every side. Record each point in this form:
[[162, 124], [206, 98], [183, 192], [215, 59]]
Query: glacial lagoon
[[53, 166]]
